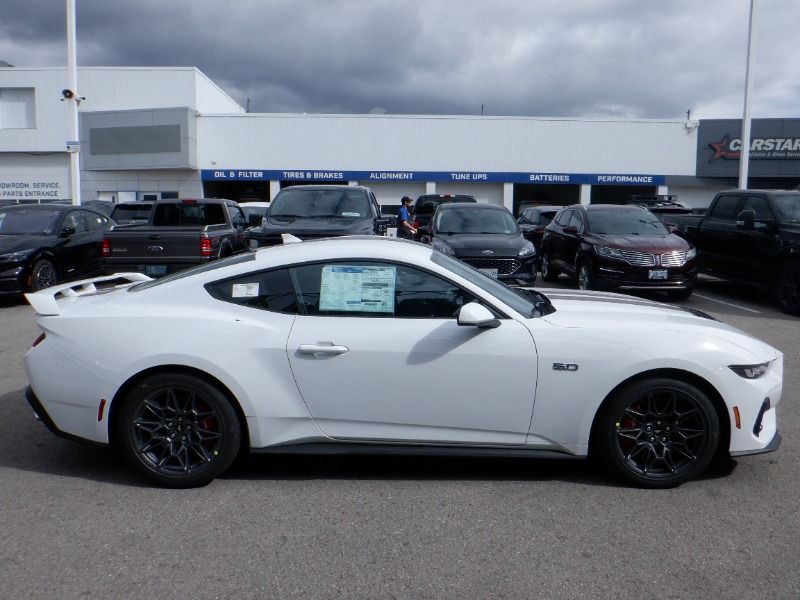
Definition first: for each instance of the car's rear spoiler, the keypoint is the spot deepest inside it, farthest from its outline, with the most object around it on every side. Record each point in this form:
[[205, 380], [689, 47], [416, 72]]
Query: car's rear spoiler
[[45, 302]]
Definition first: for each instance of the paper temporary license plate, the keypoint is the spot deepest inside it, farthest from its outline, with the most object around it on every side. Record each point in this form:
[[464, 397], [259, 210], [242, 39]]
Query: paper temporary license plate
[[155, 270], [489, 272], [658, 274]]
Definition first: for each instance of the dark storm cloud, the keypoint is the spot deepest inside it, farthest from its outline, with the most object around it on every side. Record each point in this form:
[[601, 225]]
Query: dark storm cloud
[[581, 58]]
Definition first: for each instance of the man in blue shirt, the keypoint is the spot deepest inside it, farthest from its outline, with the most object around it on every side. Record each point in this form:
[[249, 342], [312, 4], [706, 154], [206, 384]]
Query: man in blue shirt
[[404, 227]]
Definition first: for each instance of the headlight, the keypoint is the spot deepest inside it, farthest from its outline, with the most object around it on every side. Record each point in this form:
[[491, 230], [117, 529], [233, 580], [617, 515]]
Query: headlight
[[444, 249], [15, 256], [691, 254], [750, 371], [609, 252], [527, 250]]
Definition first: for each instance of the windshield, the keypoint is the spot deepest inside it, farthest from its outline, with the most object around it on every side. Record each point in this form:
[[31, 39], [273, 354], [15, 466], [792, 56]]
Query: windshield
[[16, 221], [528, 303], [474, 220], [636, 221], [788, 207], [339, 203]]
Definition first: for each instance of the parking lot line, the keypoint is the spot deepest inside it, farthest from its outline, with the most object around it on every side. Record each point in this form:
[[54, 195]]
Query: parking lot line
[[739, 306]]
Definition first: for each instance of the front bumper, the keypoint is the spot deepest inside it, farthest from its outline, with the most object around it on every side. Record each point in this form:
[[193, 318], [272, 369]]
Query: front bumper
[[14, 278], [508, 268], [623, 276]]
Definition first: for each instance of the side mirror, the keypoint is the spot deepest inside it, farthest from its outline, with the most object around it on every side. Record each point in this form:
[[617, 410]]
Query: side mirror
[[746, 219], [476, 315], [571, 230], [67, 231]]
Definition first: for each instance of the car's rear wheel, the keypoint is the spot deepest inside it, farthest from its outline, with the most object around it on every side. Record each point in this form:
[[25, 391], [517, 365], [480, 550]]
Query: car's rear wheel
[[585, 278], [789, 288], [179, 430], [43, 275], [657, 433], [549, 273]]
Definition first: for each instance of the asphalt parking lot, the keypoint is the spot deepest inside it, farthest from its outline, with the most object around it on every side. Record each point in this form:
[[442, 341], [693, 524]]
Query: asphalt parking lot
[[76, 523]]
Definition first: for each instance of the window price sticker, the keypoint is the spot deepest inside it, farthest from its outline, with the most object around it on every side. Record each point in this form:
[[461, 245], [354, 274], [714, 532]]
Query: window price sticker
[[349, 288]]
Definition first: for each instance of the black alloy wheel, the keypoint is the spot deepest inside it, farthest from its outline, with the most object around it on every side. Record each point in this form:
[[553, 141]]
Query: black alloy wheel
[[657, 433], [585, 278], [179, 430], [43, 275], [549, 273], [789, 288]]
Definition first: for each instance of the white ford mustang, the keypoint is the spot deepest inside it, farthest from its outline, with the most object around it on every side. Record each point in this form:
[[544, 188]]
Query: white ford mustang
[[376, 345]]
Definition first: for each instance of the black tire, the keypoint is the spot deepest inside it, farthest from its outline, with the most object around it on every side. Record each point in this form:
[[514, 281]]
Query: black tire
[[585, 277], [657, 433], [43, 275], [675, 295], [549, 273], [178, 430], [789, 288]]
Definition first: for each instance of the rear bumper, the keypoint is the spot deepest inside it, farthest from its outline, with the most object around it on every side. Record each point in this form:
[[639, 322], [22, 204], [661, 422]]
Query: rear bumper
[[45, 418]]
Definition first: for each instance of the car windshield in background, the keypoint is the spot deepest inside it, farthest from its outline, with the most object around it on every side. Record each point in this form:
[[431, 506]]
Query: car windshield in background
[[625, 222], [28, 221], [344, 203], [469, 220], [789, 207]]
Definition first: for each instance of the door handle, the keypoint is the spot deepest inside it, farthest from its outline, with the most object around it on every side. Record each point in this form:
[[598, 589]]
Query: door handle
[[322, 349]]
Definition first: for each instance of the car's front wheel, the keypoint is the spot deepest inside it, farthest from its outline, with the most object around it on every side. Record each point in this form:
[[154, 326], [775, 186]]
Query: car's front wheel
[[179, 430], [43, 275], [549, 273], [585, 278], [657, 433]]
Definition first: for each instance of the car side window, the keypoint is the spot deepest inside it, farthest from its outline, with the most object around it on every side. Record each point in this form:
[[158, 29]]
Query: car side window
[[760, 207], [237, 216], [725, 208], [75, 220], [267, 290], [564, 217], [577, 220], [95, 221]]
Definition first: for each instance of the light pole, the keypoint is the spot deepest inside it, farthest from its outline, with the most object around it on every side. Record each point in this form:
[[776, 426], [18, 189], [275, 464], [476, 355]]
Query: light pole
[[744, 158], [71, 95]]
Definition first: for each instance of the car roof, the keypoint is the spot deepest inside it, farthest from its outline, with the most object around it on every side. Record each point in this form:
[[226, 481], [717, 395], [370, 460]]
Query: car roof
[[542, 207], [320, 186], [608, 207]]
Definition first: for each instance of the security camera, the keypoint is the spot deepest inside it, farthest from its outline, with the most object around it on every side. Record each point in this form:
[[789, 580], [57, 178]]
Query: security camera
[[68, 94]]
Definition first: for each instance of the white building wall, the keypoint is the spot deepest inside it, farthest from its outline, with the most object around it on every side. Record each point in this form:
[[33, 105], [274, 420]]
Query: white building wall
[[422, 143]]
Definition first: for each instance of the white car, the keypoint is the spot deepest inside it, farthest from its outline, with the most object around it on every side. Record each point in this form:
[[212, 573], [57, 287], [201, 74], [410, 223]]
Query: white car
[[374, 344]]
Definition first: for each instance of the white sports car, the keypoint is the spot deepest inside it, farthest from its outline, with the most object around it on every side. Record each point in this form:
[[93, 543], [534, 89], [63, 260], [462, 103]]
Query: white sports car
[[383, 345]]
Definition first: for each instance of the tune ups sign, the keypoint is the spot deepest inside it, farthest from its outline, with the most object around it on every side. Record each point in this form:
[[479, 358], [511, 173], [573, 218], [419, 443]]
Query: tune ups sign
[[774, 148]]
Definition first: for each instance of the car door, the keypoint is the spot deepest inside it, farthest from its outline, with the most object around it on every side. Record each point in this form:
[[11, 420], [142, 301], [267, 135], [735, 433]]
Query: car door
[[377, 354], [76, 250], [717, 236], [754, 248], [556, 238], [97, 224]]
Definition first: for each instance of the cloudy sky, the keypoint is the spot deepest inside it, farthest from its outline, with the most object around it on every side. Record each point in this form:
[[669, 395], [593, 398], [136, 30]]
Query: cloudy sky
[[551, 58]]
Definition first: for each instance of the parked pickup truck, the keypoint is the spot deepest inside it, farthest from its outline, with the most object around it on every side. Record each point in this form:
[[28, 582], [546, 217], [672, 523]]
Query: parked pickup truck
[[177, 234], [749, 236]]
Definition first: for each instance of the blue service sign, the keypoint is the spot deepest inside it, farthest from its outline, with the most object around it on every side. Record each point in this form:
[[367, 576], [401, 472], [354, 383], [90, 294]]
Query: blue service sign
[[366, 177]]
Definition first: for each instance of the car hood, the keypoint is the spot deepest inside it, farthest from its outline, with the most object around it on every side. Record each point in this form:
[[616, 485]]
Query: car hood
[[17, 243], [317, 226], [483, 245], [654, 244], [620, 314]]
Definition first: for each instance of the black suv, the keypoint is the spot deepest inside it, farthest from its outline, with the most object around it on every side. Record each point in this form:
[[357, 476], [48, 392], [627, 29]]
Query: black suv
[[426, 205], [319, 211]]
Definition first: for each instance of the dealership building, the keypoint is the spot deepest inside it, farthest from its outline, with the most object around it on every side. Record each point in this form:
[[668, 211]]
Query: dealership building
[[150, 133]]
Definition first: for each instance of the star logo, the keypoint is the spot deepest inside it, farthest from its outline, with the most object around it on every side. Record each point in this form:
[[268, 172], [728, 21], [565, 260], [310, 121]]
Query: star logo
[[723, 150]]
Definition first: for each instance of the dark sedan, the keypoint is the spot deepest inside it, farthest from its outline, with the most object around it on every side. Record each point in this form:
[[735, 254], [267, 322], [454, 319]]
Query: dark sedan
[[486, 237], [532, 221], [623, 248], [44, 244]]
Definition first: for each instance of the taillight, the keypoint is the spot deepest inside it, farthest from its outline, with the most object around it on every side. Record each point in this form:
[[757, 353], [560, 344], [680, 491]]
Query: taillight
[[106, 247], [415, 224], [38, 340], [205, 247]]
